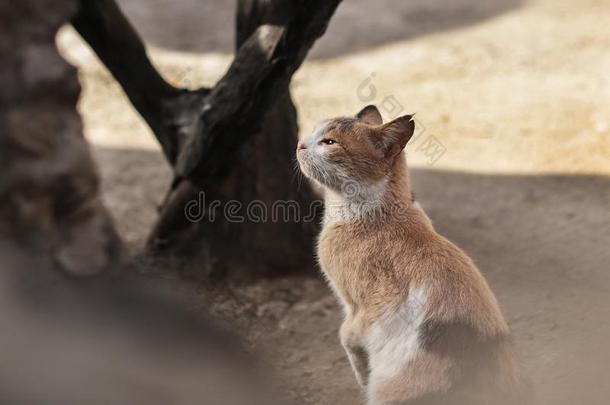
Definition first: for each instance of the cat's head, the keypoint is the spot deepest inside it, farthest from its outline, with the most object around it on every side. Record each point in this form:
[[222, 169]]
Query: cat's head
[[362, 150]]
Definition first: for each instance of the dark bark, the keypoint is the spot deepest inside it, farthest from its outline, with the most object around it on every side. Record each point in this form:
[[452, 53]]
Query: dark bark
[[243, 150], [282, 34]]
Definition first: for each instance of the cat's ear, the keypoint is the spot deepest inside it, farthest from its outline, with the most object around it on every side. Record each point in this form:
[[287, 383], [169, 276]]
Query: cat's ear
[[395, 135], [370, 115]]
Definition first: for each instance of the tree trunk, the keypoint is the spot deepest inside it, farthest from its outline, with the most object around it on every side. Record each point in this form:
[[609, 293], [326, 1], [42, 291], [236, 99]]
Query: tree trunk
[[280, 215], [230, 146], [49, 190]]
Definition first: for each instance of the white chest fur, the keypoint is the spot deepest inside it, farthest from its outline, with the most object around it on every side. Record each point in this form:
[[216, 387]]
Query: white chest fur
[[354, 202], [395, 339]]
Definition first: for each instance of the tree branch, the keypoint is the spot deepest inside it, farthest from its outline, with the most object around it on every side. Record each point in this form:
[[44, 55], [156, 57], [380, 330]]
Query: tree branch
[[258, 76], [102, 24], [202, 132]]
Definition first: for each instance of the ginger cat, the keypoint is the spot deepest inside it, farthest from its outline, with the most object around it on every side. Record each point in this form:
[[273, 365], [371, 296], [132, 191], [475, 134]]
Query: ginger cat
[[421, 324]]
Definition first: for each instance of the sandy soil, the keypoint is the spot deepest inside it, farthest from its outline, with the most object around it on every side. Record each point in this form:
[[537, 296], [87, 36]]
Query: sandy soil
[[516, 96]]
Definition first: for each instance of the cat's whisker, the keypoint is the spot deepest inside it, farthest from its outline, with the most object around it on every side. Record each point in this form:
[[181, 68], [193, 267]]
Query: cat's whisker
[[298, 173]]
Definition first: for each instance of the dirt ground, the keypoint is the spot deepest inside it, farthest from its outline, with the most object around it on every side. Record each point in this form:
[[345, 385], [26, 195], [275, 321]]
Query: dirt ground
[[515, 98]]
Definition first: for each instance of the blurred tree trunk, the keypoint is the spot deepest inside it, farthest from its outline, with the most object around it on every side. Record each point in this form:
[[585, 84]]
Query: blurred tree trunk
[[49, 190]]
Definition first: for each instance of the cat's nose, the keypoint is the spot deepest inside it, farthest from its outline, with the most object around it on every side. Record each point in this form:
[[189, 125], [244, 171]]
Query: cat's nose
[[301, 146]]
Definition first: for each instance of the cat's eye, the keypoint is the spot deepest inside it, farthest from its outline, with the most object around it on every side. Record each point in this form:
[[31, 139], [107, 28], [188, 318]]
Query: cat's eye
[[328, 141]]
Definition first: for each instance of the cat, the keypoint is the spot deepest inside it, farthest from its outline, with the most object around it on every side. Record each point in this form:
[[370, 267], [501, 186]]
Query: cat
[[421, 323]]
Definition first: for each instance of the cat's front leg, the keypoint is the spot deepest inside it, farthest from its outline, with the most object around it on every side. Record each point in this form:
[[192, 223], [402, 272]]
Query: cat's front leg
[[356, 352]]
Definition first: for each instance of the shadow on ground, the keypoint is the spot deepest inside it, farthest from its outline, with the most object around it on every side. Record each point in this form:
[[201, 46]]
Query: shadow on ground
[[207, 25], [541, 240]]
